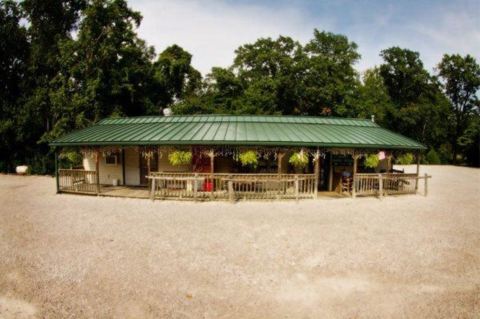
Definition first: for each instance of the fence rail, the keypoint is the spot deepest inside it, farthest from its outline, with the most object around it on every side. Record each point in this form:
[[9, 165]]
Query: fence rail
[[224, 186], [386, 184], [77, 181], [231, 186]]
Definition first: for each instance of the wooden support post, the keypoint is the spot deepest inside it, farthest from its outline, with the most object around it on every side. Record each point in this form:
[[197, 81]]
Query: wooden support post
[[152, 190], [426, 185], [195, 186], [296, 187], [330, 173], [212, 170], [380, 186], [123, 166], [57, 181], [97, 170], [418, 170], [354, 175], [149, 158], [280, 156], [389, 163], [231, 194], [317, 172]]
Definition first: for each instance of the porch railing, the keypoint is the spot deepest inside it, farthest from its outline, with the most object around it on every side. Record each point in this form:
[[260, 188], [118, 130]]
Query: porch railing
[[384, 184], [77, 181], [231, 186]]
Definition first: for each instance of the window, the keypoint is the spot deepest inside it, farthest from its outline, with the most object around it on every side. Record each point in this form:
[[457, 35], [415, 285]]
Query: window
[[111, 160]]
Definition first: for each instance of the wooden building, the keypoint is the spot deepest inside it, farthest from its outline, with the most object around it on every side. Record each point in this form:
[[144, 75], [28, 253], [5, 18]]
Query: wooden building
[[205, 157]]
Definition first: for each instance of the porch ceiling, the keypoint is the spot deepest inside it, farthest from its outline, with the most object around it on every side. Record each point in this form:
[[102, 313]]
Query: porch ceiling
[[239, 130]]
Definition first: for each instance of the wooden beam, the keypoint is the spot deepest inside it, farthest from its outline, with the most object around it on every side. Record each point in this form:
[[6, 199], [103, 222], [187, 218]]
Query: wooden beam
[[317, 171], [389, 163], [330, 173], [212, 170], [296, 187], [280, 156], [97, 169], [57, 181], [354, 172], [418, 170], [425, 193], [212, 161], [380, 186], [123, 166]]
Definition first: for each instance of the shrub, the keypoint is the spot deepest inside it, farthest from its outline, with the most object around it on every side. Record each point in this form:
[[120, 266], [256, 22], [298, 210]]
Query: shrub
[[248, 158], [178, 158], [299, 159], [405, 159], [70, 158], [432, 157], [371, 161]]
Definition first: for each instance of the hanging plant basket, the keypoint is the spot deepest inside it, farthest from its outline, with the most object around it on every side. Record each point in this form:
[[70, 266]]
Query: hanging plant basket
[[248, 158], [179, 158], [371, 161], [299, 159]]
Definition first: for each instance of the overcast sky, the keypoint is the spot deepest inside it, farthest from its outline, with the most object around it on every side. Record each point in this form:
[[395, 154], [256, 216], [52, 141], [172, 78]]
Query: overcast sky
[[211, 30]]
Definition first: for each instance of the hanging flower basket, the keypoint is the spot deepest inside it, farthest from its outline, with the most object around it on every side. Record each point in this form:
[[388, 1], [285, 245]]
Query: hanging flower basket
[[371, 161], [248, 158], [179, 158], [299, 159]]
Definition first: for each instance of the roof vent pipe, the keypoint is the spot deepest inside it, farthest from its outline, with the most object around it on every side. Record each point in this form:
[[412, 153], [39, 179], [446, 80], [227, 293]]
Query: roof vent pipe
[[373, 118]]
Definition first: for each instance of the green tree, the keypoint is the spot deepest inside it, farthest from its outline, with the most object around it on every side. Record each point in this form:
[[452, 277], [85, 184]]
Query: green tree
[[330, 79], [107, 71], [176, 78], [470, 141], [14, 52], [270, 72], [51, 21], [373, 98], [461, 82], [419, 107]]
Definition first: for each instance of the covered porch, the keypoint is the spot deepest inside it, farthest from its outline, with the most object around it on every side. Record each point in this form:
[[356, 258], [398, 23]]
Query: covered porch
[[214, 174]]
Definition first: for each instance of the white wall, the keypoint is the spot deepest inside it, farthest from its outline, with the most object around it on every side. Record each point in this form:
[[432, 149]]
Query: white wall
[[132, 166], [107, 172]]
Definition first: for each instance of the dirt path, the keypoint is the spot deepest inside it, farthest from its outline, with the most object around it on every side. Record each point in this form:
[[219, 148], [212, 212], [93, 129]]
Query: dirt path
[[67, 256]]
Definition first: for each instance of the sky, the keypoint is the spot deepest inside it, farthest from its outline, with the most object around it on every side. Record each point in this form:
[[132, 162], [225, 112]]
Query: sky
[[211, 30]]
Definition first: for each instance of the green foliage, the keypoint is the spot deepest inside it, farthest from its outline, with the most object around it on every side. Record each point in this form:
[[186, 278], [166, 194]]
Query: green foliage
[[418, 107], [461, 82], [179, 158], [373, 98], [432, 157], [405, 159], [248, 158], [71, 158], [175, 77], [299, 159], [52, 83], [371, 161]]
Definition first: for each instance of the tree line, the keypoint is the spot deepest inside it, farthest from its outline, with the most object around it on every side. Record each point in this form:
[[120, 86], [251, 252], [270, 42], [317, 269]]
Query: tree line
[[67, 64]]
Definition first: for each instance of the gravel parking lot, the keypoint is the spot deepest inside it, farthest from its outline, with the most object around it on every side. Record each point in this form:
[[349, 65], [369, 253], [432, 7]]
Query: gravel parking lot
[[71, 256]]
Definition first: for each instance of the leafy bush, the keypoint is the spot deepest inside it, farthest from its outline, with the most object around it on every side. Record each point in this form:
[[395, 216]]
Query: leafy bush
[[248, 158], [405, 159], [299, 159], [70, 158], [371, 161], [432, 157], [178, 158]]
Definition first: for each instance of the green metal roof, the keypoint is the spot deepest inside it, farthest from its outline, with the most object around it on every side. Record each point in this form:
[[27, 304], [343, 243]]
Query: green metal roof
[[238, 130]]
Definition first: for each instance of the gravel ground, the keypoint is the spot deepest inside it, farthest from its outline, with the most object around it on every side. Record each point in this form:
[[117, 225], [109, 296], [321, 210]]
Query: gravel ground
[[69, 256]]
